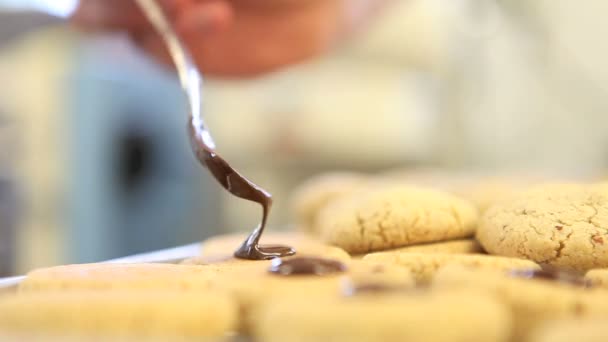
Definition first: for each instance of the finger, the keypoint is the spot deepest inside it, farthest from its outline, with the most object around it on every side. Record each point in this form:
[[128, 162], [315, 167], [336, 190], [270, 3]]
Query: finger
[[118, 14], [205, 17], [154, 47], [201, 20]]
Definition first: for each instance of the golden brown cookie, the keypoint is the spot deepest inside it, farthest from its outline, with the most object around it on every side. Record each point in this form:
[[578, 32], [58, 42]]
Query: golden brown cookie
[[314, 194], [119, 315], [220, 249], [533, 300], [423, 266], [462, 246], [302, 277], [384, 217], [415, 316], [560, 225], [598, 277], [118, 277], [568, 330]]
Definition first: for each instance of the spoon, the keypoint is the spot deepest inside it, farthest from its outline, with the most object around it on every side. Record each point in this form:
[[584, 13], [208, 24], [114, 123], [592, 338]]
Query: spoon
[[203, 145]]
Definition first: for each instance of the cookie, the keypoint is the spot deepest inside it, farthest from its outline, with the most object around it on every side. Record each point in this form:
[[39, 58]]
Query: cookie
[[219, 249], [597, 277], [533, 300], [462, 246], [489, 192], [118, 277], [114, 315], [431, 317], [423, 266], [314, 194], [568, 330], [395, 216], [302, 277], [558, 225]]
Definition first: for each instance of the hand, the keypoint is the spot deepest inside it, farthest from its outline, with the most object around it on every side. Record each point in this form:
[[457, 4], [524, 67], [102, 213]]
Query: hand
[[236, 37]]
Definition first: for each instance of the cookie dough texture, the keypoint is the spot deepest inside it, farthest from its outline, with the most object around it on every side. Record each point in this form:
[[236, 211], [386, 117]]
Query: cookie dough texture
[[423, 266], [118, 277], [560, 225], [220, 249], [115, 315], [395, 216], [386, 317], [579, 330], [532, 302], [314, 194], [462, 246]]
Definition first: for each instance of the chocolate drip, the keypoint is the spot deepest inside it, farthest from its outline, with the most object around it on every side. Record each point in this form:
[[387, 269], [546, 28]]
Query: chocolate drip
[[352, 287], [372, 288], [306, 266], [552, 275], [241, 187], [200, 139]]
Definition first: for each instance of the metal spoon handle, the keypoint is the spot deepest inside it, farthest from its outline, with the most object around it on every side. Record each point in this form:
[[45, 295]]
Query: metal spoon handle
[[189, 75]]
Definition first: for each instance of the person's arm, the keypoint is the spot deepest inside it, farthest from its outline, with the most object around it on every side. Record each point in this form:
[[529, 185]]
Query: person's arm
[[237, 37]]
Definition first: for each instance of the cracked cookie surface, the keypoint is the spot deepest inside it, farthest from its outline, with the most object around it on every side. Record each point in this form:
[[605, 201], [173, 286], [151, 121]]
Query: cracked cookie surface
[[395, 216], [423, 266], [559, 225]]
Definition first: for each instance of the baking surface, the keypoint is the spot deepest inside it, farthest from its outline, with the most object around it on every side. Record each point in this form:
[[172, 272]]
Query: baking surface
[[166, 256]]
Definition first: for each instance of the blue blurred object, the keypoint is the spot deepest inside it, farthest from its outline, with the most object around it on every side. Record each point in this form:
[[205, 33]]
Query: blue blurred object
[[134, 184]]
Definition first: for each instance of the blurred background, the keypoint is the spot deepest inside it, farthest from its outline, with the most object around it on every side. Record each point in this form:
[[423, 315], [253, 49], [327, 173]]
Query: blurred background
[[95, 162]]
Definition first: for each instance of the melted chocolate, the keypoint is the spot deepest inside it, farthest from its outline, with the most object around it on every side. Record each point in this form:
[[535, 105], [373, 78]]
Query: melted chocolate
[[201, 141], [306, 266], [552, 275], [241, 187], [373, 288]]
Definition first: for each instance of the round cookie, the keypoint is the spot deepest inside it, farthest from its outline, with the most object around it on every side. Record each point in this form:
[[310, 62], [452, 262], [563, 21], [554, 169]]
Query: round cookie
[[395, 216], [423, 266], [130, 315], [462, 246], [118, 277], [558, 225], [219, 249], [315, 193], [597, 277], [417, 316], [254, 286], [532, 301], [568, 330]]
